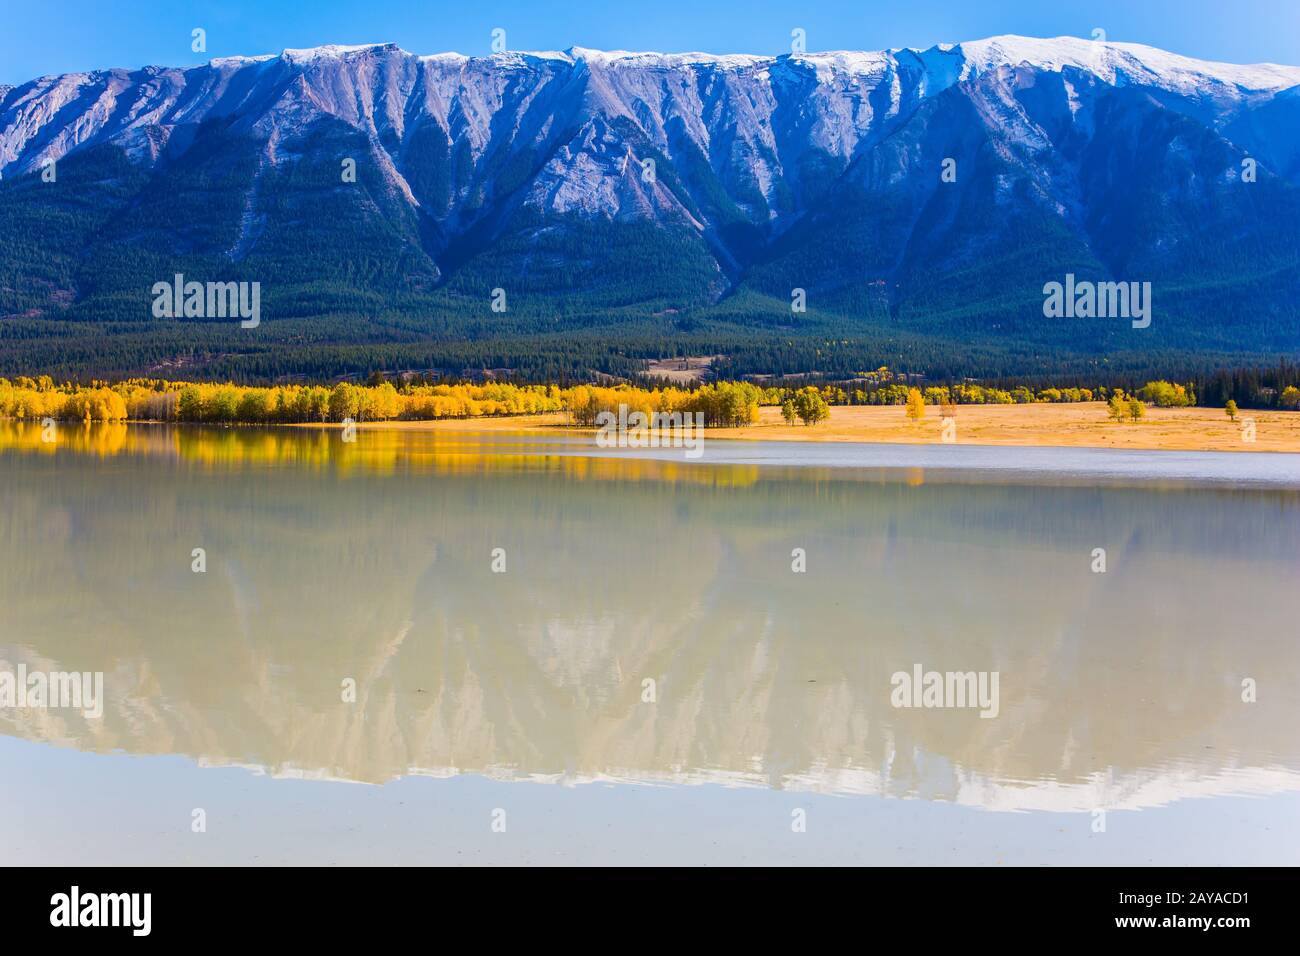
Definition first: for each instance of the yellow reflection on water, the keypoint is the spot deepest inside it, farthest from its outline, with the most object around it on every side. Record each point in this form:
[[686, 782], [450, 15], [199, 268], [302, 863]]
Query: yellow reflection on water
[[374, 452], [1118, 689]]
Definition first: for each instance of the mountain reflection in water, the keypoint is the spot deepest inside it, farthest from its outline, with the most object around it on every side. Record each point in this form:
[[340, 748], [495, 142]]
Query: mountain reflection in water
[[373, 562]]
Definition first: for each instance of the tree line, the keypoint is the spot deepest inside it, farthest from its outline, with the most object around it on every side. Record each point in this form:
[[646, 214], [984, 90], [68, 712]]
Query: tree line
[[722, 404]]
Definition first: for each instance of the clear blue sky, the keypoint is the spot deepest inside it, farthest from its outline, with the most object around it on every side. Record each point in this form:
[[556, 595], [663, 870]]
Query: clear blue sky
[[39, 37]]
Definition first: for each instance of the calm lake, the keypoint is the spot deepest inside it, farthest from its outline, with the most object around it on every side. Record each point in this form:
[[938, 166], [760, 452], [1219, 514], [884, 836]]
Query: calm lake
[[465, 647]]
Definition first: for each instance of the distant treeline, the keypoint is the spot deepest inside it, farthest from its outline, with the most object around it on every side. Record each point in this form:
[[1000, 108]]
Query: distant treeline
[[721, 403], [1260, 387], [1254, 387], [156, 400]]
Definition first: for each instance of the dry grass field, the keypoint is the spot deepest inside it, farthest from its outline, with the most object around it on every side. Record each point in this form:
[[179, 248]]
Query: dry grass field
[[1083, 424]]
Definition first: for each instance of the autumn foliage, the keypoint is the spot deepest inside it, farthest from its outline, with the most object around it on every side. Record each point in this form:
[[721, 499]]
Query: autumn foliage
[[150, 400]]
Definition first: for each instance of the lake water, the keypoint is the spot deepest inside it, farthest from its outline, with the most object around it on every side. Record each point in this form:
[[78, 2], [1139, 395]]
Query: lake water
[[562, 654]]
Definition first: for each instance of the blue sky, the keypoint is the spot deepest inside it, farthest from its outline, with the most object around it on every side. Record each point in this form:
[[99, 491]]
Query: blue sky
[[58, 37]]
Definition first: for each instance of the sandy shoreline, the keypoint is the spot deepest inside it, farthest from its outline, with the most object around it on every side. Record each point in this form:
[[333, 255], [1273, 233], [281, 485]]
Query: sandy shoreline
[[1077, 425]]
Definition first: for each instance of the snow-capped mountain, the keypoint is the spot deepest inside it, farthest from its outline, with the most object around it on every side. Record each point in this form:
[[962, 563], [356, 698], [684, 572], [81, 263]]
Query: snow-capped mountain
[[937, 188]]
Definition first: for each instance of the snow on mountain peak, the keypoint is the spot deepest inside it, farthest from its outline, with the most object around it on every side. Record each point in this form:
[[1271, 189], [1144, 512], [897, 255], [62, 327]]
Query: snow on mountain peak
[[666, 60], [333, 50], [219, 62], [847, 61], [53, 115], [1120, 63], [941, 65]]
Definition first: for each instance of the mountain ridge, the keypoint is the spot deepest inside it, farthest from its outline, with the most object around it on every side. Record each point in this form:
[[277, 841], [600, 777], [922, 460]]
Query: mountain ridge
[[560, 176], [1014, 49]]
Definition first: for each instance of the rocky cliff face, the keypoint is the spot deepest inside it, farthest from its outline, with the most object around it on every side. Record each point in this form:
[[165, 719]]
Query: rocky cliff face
[[939, 186]]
